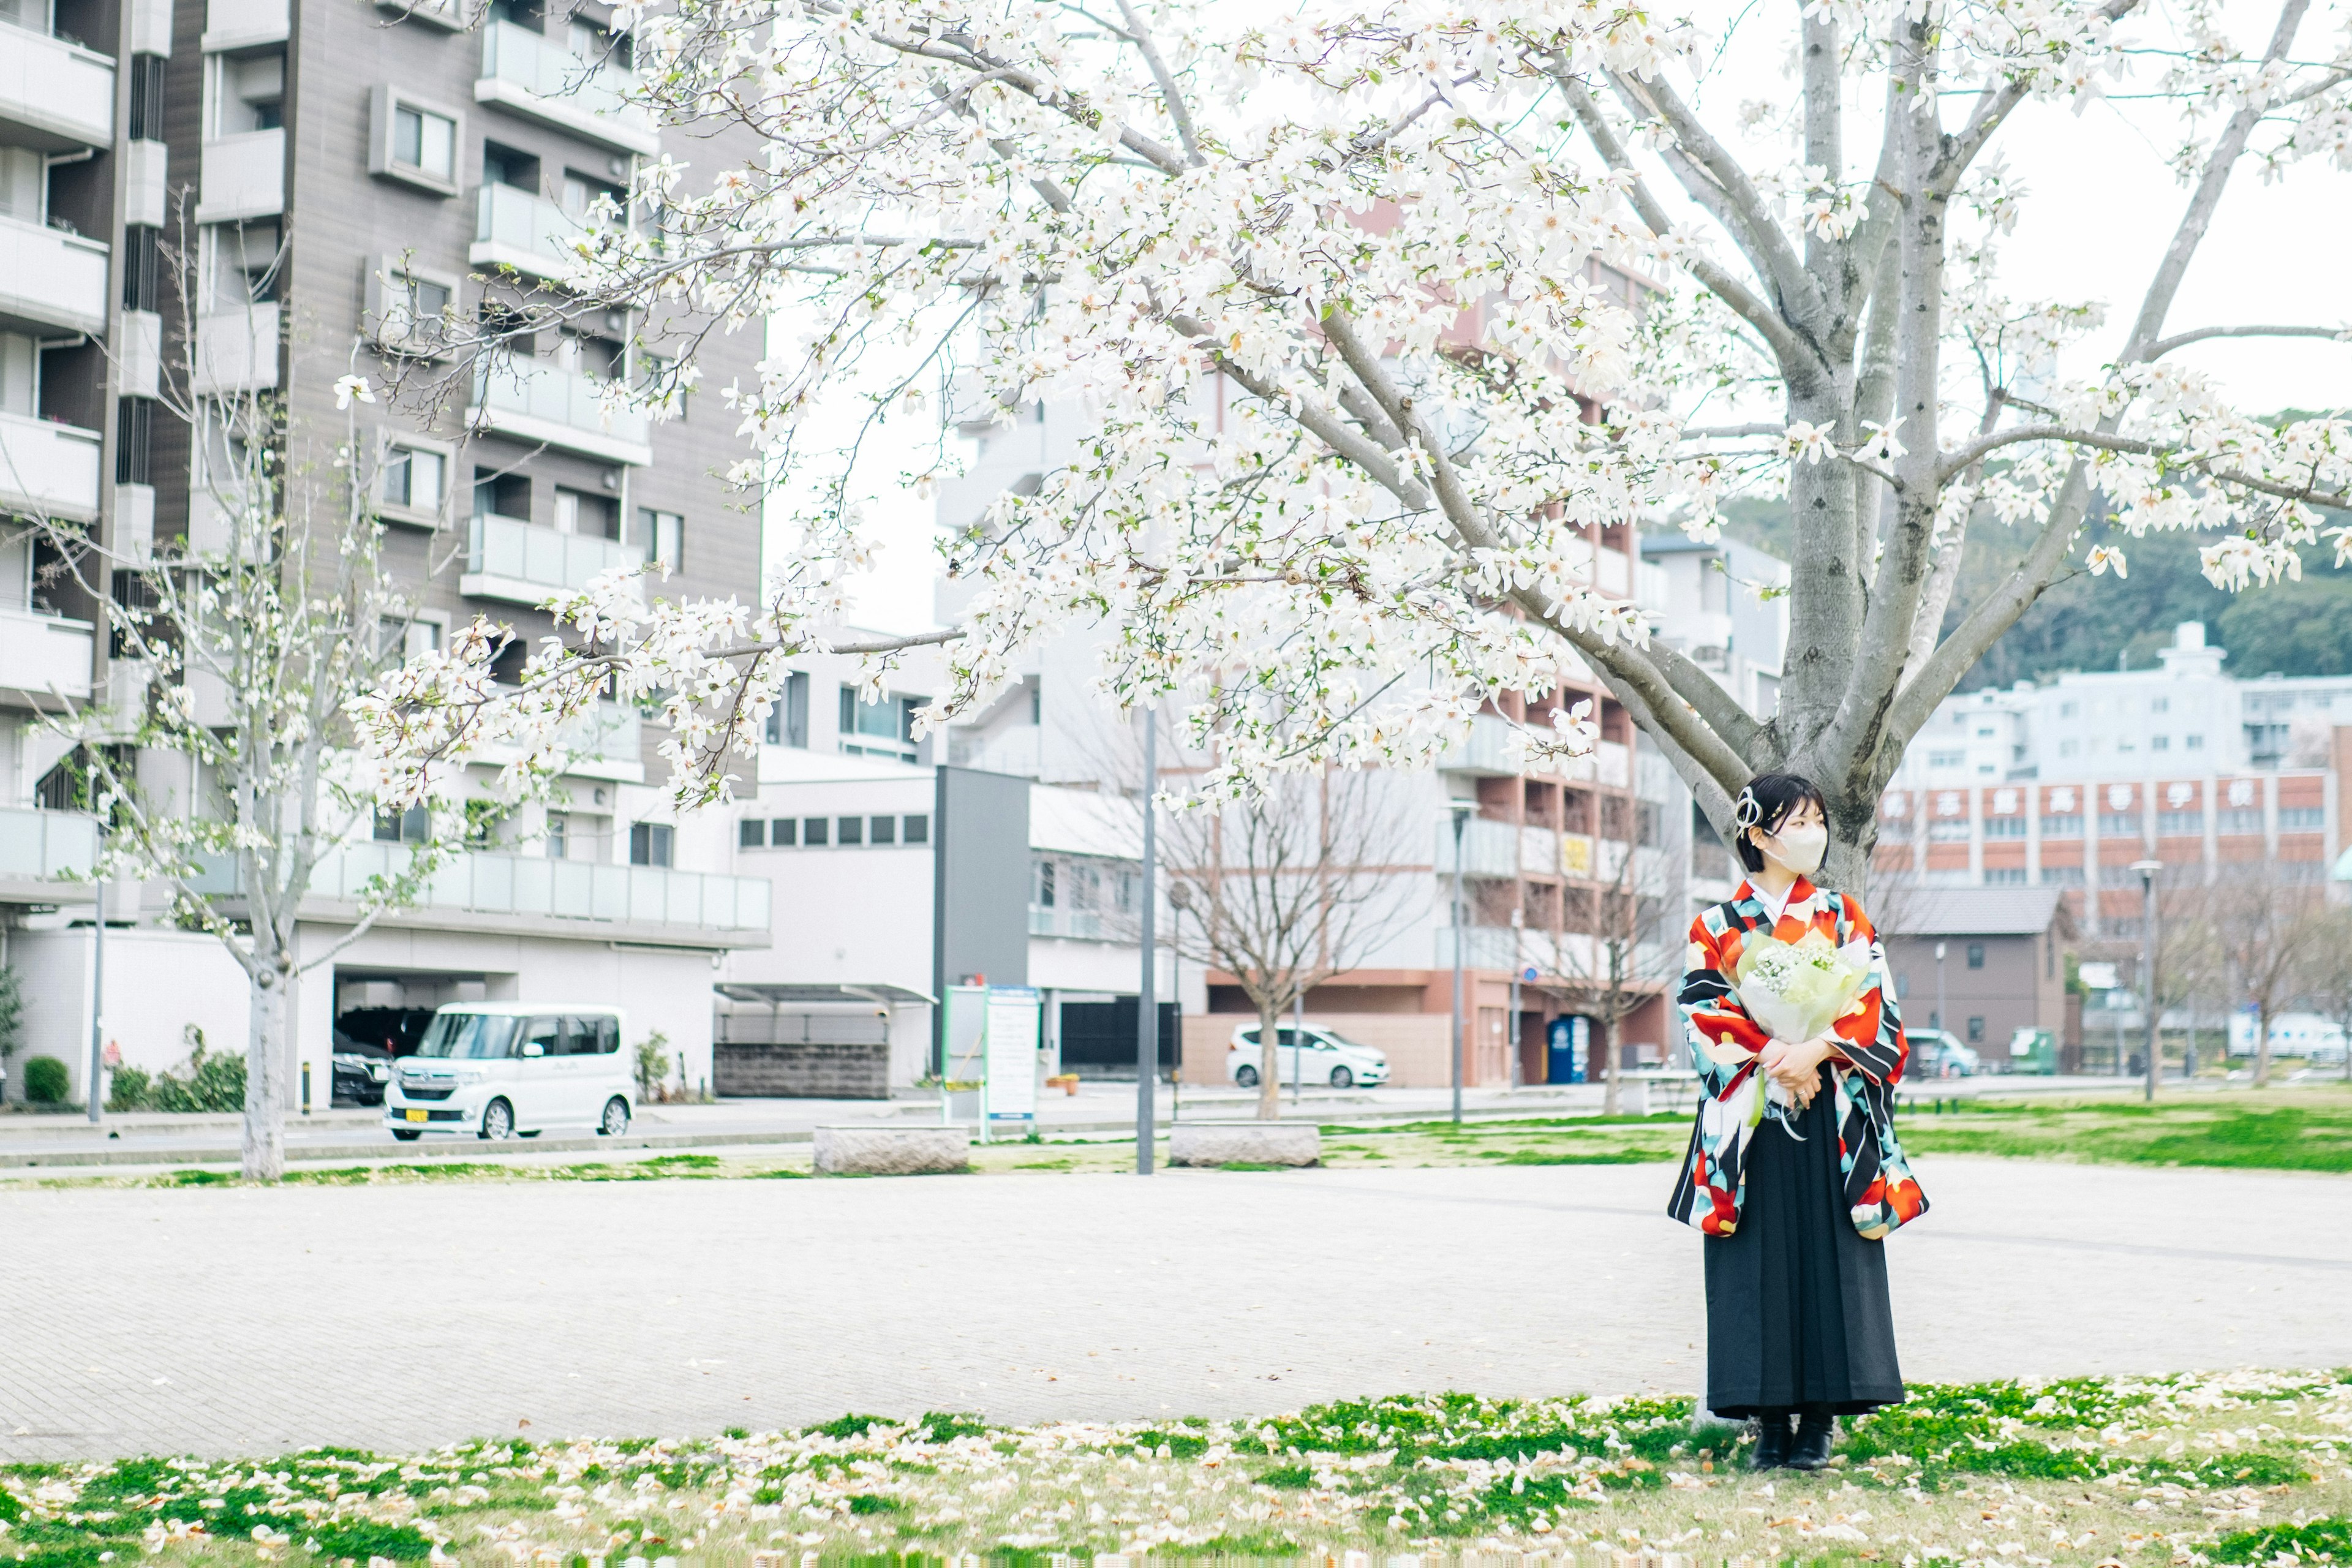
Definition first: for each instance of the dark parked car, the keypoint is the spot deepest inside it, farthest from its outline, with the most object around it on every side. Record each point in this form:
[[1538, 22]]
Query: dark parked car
[[361, 1072]]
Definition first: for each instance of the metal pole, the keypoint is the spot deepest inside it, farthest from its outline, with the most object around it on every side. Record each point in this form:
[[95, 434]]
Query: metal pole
[[92, 1092], [1147, 1005], [2147, 984], [1940, 1021], [1298, 1044], [1460, 816]]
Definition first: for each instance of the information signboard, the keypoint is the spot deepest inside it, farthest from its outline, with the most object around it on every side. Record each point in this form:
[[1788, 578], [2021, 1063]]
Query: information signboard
[[1011, 1094]]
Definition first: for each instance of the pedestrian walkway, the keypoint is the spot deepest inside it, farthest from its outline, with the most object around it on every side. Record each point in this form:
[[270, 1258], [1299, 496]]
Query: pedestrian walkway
[[253, 1320]]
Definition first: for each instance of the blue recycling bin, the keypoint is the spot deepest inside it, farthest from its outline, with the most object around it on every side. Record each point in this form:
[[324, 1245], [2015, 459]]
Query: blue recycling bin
[[1568, 1043]]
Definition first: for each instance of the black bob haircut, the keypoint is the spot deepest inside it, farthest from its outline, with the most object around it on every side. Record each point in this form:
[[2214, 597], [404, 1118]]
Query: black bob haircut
[[1766, 802]]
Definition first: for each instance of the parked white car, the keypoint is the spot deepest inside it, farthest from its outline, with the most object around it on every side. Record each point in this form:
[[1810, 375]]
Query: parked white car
[[499, 1069], [1328, 1059]]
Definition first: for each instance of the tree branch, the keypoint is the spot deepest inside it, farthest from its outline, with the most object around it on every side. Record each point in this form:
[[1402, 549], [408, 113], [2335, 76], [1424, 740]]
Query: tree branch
[[2164, 346], [1976, 451]]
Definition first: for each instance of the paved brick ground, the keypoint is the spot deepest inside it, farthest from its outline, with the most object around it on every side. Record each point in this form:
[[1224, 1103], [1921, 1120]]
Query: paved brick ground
[[220, 1321]]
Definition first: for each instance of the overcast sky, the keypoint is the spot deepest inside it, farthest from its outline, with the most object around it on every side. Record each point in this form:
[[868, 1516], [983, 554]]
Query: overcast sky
[[2101, 206]]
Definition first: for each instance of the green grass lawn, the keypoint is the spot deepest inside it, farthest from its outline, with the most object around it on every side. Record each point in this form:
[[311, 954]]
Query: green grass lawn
[[2233, 1469], [2302, 1129]]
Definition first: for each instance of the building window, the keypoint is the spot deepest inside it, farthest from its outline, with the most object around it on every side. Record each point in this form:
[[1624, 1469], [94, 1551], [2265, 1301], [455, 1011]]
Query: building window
[[751, 833], [413, 825], [2119, 825], [584, 513], [1976, 1030], [1975, 955], [2068, 826], [815, 831], [665, 538], [649, 842], [2193, 742], [784, 832], [134, 427], [849, 830], [558, 835], [2159, 704], [882, 830], [884, 728], [2180, 823], [411, 309], [1040, 890], [2004, 877], [2061, 875], [2004, 828], [2068, 748], [413, 479], [918, 830], [2303, 819], [2243, 822], [788, 718], [1948, 830], [2159, 743], [1947, 759], [414, 141]]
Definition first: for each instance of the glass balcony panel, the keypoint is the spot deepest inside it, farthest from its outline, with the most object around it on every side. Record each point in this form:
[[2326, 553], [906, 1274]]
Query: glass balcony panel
[[44, 655], [39, 846], [534, 74], [539, 558], [537, 399]]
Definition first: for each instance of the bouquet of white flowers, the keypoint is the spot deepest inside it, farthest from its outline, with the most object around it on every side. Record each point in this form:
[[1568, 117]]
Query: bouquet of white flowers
[[1796, 990]]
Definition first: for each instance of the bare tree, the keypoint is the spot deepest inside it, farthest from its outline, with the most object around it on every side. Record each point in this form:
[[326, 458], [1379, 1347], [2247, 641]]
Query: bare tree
[[1288, 888], [2266, 928], [224, 768], [1616, 957], [2327, 984]]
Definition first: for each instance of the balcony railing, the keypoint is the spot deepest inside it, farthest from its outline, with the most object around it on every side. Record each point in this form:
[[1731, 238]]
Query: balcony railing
[[515, 227], [536, 401], [43, 654], [236, 351], [1484, 753], [59, 93], [533, 75], [49, 276], [1488, 848], [243, 176], [233, 24], [46, 845], [589, 892], [48, 467], [1081, 925], [508, 558]]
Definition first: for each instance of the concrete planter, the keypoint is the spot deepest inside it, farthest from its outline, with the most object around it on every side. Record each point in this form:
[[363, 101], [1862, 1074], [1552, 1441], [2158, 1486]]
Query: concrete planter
[[1244, 1144], [892, 1150]]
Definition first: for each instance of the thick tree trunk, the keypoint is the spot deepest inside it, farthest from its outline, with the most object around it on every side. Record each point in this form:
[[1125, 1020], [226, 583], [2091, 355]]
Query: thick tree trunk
[[2262, 1049], [1269, 1073], [1825, 621], [1604, 1055], [264, 1078]]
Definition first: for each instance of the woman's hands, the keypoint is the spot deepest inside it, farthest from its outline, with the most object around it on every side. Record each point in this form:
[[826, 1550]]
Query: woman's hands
[[1796, 1069]]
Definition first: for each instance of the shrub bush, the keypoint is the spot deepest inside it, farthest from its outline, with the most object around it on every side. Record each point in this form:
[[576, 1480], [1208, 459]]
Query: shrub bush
[[47, 1081], [214, 1082], [128, 1088]]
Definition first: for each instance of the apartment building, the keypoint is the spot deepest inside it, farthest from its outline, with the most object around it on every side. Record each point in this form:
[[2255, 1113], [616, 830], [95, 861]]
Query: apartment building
[[2186, 715], [346, 179], [1546, 852]]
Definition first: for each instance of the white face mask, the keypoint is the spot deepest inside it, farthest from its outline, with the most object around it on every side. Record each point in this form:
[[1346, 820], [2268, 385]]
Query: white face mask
[[1798, 849]]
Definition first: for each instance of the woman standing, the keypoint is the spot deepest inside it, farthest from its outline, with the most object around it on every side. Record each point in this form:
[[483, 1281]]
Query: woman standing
[[1794, 1199]]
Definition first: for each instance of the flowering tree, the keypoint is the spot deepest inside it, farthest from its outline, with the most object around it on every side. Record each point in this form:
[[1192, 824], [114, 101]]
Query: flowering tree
[[224, 768], [1346, 302]]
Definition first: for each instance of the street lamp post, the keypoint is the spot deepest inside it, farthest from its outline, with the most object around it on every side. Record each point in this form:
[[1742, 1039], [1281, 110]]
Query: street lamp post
[[2148, 871], [1939, 990], [1146, 1002], [1459, 811]]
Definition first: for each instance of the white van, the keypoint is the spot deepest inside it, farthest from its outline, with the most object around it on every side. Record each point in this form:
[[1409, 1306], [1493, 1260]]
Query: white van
[[498, 1068]]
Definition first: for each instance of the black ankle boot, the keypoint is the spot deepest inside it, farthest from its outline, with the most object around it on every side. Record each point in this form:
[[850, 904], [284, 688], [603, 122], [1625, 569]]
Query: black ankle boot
[[1811, 1451], [1771, 1443]]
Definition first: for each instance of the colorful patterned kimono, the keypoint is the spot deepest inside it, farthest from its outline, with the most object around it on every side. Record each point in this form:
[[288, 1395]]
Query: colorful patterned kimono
[[1880, 1191]]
